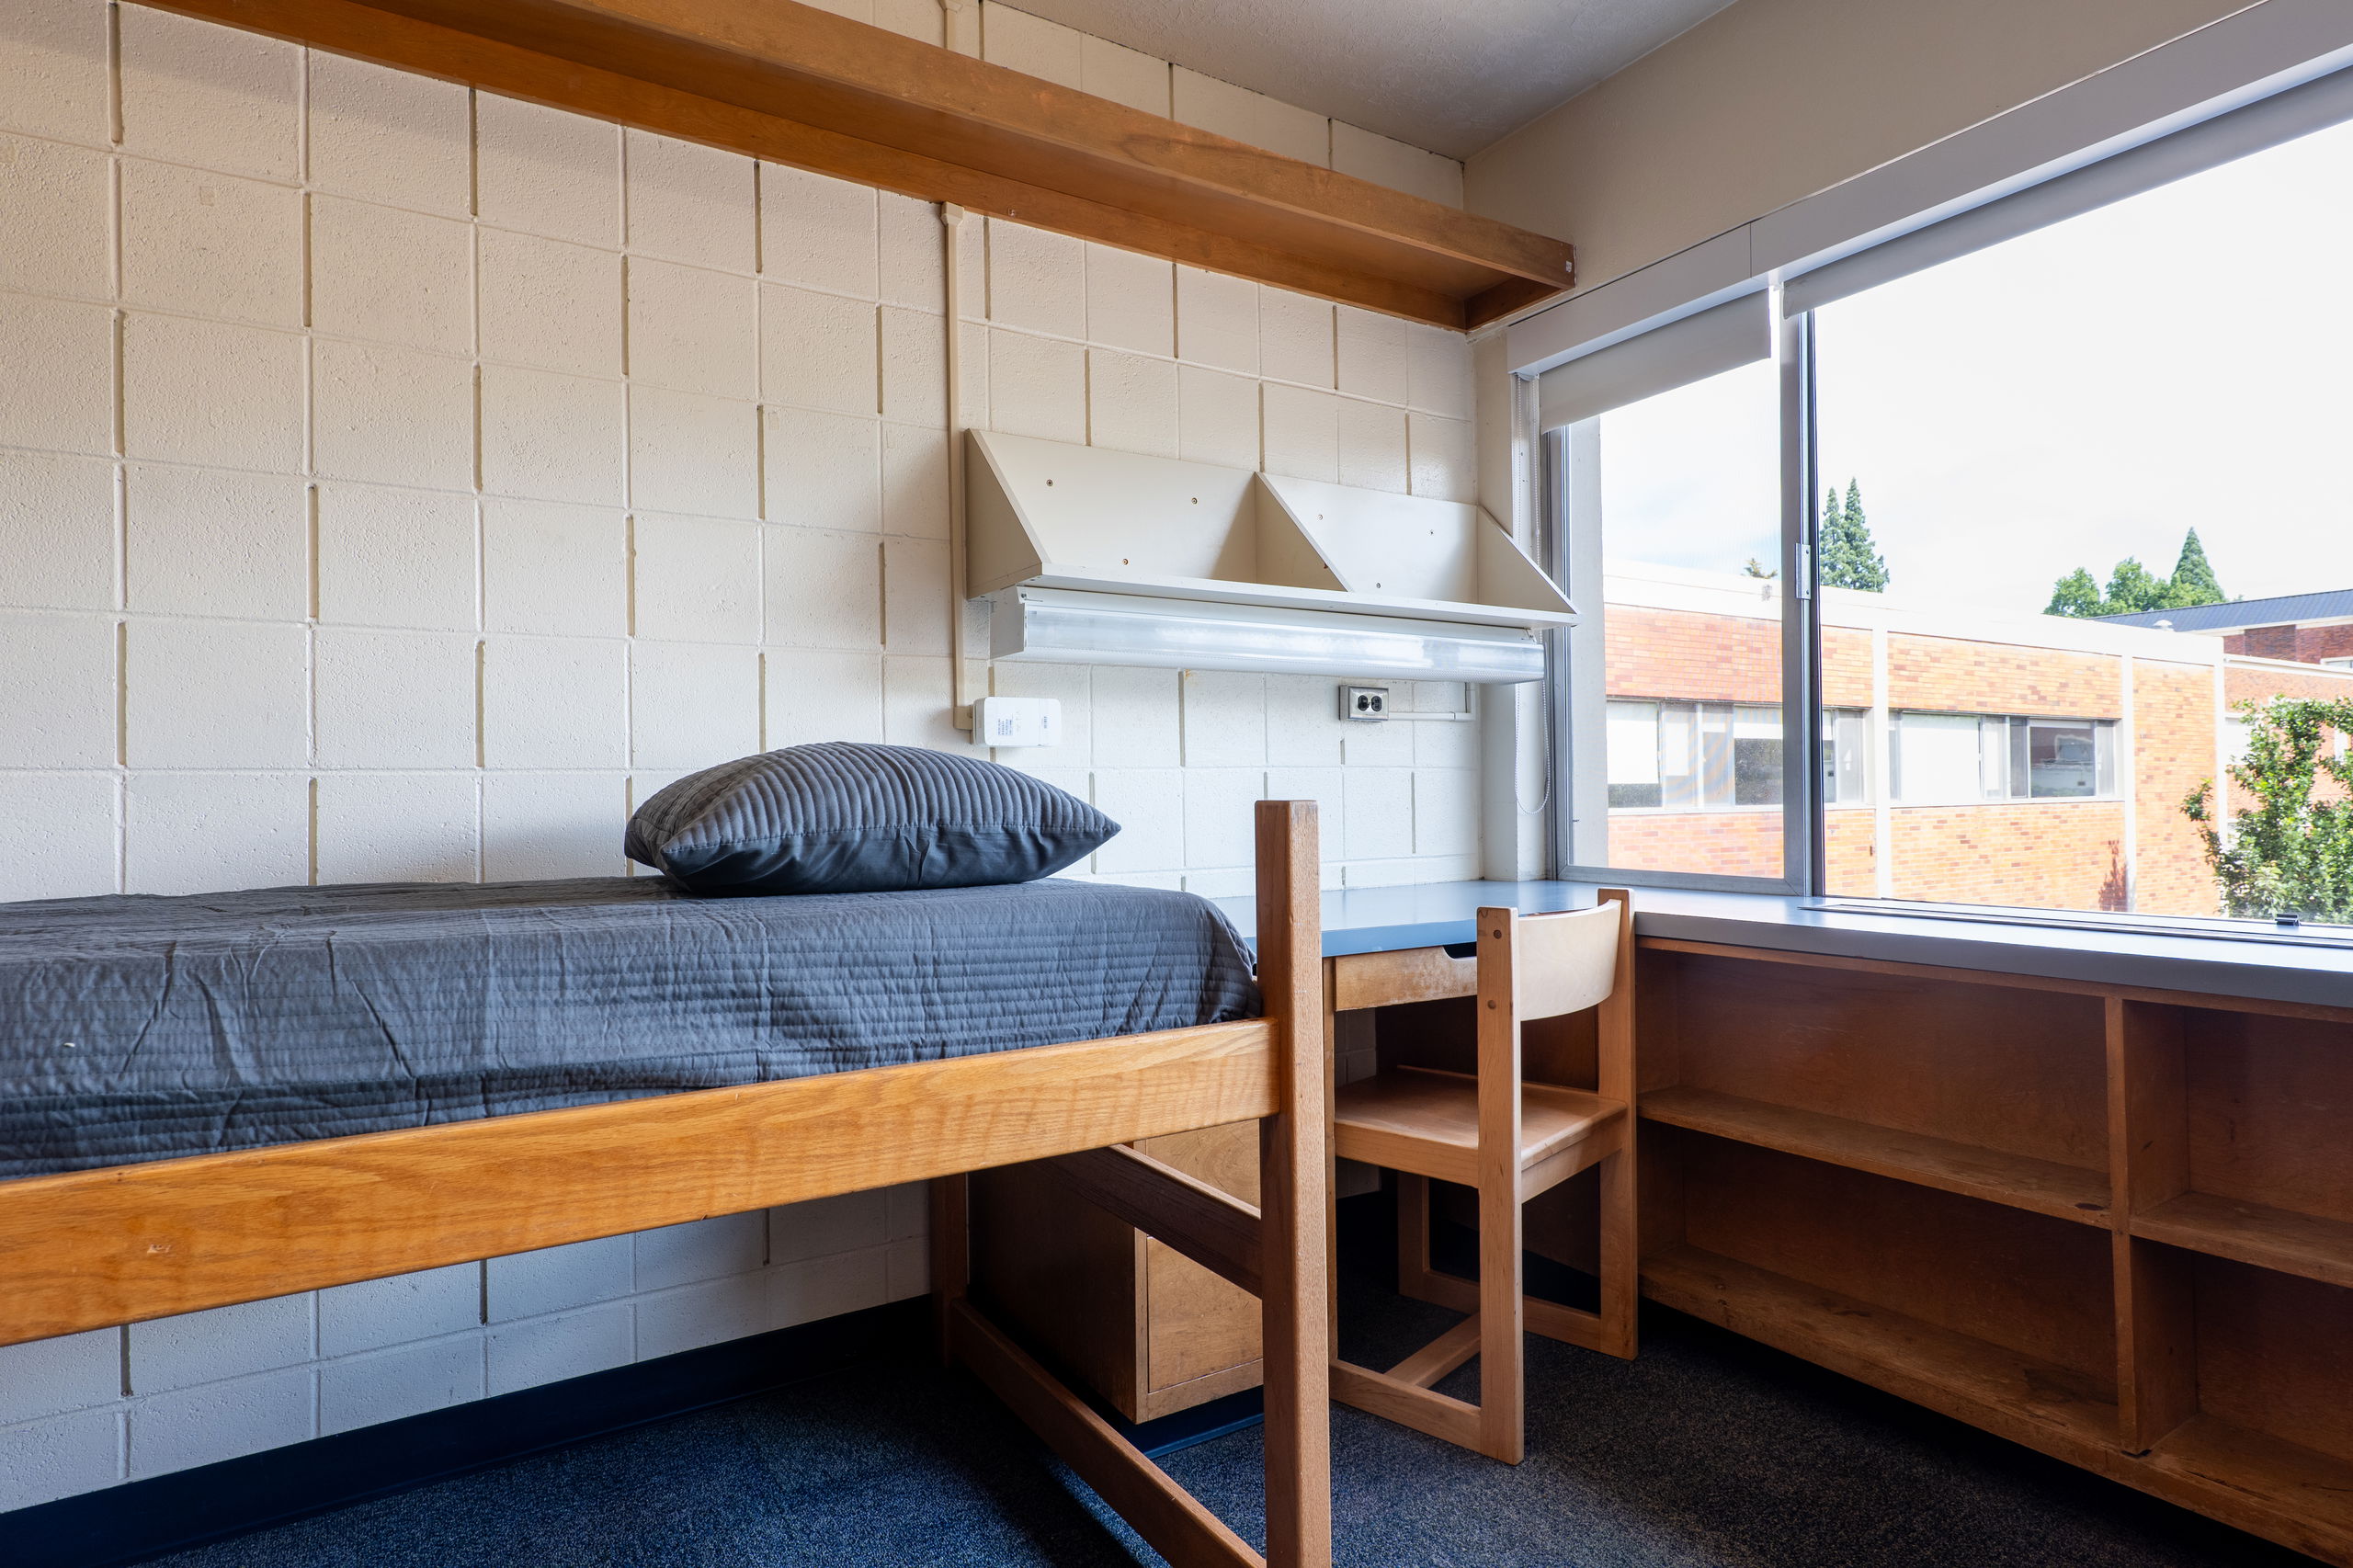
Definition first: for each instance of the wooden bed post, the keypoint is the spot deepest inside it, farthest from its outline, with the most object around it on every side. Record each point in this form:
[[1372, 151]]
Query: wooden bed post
[[1294, 1165]]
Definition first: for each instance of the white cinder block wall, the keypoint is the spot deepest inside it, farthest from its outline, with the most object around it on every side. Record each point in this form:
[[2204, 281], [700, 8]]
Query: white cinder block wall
[[397, 482]]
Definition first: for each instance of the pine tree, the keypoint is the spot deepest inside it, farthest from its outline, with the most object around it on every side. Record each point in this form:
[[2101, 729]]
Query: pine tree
[[2193, 581], [2076, 593], [1850, 557]]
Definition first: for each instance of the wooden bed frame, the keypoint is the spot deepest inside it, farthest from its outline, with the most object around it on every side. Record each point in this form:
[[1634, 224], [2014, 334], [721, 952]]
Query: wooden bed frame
[[92, 1249]]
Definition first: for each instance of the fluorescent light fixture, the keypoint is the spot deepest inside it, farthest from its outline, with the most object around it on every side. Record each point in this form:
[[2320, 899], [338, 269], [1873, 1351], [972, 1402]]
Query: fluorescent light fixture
[[1070, 627]]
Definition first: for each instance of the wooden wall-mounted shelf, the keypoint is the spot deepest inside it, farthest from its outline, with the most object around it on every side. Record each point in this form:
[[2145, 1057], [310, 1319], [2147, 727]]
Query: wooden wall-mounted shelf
[[798, 85]]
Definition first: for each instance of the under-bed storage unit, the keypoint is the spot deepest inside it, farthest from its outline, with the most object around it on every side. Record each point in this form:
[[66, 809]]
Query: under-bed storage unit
[[2113, 1224]]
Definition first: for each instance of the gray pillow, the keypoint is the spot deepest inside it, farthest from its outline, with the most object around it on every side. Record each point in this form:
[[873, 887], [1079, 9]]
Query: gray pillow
[[839, 817]]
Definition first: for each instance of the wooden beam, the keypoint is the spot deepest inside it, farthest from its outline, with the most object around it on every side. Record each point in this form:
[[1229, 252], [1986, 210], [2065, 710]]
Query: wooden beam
[[90, 1249], [795, 84], [1214, 1229]]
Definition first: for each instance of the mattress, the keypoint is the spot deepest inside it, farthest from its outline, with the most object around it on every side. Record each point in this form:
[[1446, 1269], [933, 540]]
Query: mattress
[[142, 1027]]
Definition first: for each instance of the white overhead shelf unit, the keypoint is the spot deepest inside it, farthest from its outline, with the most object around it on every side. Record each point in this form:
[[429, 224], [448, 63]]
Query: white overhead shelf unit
[[1092, 556]]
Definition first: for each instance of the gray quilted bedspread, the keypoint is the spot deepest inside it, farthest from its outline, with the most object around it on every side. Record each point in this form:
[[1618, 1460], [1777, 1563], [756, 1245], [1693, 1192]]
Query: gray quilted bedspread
[[142, 1028]]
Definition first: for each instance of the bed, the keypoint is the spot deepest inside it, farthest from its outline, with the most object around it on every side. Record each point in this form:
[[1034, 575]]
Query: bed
[[485, 1071]]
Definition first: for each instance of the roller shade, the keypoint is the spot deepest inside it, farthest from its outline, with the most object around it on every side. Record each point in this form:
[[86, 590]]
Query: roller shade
[[2299, 111], [1722, 338]]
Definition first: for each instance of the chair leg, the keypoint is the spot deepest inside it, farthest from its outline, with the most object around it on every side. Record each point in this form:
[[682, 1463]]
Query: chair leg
[[1502, 1345]]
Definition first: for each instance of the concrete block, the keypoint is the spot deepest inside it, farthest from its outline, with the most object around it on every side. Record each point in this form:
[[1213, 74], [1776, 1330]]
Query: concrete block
[[1446, 810], [1444, 746], [226, 1342], [1378, 745], [916, 706], [825, 590], [395, 1310], [202, 542], [391, 136], [915, 481], [1445, 458], [1230, 883], [1212, 105], [392, 415], [47, 1377], [1132, 403], [1372, 355], [55, 70], [398, 827], [215, 832], [1219, 815], [395, 557], [915, 367], [1036, 387], [693, 329], [827, 1286], [918, 19], [1217, 417], [57, 531], [549, 304], [219, 97], [1138, 718], [812, 695], [1302, 431], [1439, 371], [1380, 809], [1217, 321], [551, 437], [1037, 280], [907, 1270], [915, 595], [1327, 788], [392, 275], [61, 1456], [907, 1211], [221, 1421], [693, 704], [407, 1381], [818, 232], [1295, 337], [536, 825], [689, 203], [1032, 45], [1123, 75], [54, 236], [701, 1249], [393, 698], [555, 702], [1396, 164], [56, 707], [1131, 300], [1149, 805], [1226, 719], [559, 570], [75, 855], [1373, 453], [216, 694], [69, 407], [708, 1313], [547, 172], [824, 471], [911, 244], [1421, 869], [1303, 724], [555, 1280], [693, 454], [698, 580], [825, 1226], [818, 350], [204, 393], [550, 1350]]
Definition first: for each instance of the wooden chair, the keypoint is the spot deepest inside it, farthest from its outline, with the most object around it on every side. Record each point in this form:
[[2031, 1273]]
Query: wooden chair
[[1510, 1139]]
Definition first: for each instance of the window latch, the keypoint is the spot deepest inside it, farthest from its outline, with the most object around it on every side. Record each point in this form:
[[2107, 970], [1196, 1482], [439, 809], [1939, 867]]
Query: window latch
[[1801, 579]]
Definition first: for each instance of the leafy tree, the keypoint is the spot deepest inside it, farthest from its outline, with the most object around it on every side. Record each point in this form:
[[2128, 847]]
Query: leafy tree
[[2131, 588], [1849, 557], [2193, 581], [2288, 854], [2076, 593]]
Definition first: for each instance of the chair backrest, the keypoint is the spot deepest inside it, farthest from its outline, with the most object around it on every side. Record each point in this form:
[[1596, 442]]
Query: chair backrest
[[1566, 962]]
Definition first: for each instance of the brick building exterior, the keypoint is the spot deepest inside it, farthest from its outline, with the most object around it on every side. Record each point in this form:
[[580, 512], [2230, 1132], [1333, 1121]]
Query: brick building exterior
[[2087, 739]]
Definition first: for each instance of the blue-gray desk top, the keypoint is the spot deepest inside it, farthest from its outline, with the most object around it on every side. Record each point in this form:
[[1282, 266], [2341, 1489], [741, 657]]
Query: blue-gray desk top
[[1374, 920]]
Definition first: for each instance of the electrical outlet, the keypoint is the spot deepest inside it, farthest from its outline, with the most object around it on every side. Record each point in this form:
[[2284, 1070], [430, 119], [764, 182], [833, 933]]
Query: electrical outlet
[[1365, 704], [1018, 721]]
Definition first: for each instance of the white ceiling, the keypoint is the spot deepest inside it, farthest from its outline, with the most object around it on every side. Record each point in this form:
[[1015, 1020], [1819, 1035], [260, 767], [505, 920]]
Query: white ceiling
[[1449, 75]]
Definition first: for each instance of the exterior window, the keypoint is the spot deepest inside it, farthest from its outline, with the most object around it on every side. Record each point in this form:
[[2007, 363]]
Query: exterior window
[[1846, 752], [1950, 759], [1694, 756]]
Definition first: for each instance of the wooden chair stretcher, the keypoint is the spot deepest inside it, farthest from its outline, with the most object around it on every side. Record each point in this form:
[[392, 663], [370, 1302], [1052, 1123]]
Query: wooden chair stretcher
[[92, 1249]]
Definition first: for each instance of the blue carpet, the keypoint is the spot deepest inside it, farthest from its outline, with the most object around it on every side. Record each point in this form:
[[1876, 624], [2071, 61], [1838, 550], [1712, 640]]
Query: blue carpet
[[1705, 1452]]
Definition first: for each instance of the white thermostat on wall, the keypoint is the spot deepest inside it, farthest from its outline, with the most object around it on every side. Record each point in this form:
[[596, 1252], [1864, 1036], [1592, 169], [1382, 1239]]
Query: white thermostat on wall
[[1018, 721]]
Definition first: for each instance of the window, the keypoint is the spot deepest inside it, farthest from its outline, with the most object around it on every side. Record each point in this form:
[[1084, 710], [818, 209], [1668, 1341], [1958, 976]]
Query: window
[[2021, 470]]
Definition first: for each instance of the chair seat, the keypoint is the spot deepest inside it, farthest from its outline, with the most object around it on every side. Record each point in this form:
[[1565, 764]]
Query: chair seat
[[1424, 1122]]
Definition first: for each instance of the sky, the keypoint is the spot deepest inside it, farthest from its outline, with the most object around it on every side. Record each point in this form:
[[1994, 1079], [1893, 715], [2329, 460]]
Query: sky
[[2065, 399]]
